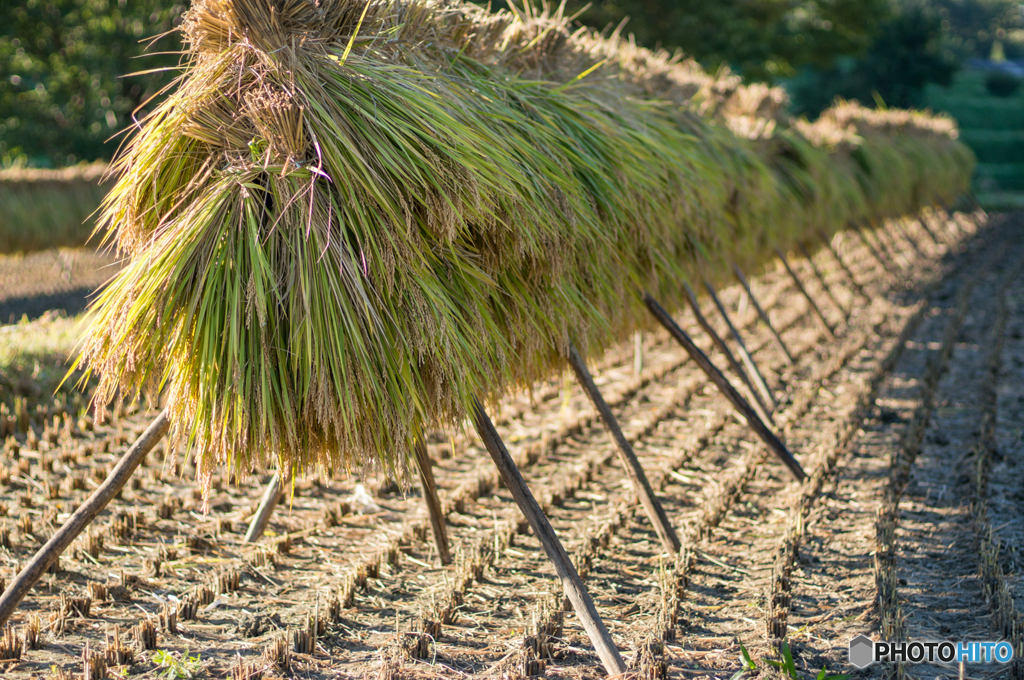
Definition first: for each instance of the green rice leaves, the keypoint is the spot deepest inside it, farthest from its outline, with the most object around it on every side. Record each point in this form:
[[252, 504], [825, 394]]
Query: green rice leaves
[[350, 220]]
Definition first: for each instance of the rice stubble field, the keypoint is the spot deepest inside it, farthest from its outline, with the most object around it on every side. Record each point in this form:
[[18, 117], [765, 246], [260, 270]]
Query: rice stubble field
[[908, 425]]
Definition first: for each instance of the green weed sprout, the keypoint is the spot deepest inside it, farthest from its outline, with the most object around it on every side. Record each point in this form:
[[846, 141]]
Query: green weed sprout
[[182, 667]]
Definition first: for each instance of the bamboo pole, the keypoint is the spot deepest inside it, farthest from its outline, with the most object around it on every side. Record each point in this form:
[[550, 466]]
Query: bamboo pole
[[943, 218], [874, 252], [824, 283], [741, 406], [82, 517], [638, 353], [884, 244], [272, 494], [922, 220], [941, 228], [776, 338], [905, 233], [842, 265], [758, 405], [799, 284], [571, 582], [748, 361], [437, 524], [955, 229], [627, 456]]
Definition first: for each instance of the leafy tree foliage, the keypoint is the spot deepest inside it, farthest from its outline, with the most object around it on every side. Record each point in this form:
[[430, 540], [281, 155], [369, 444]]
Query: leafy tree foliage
[[870, 50], [979, 28], [65, 87], [761, 39], [909, 52]]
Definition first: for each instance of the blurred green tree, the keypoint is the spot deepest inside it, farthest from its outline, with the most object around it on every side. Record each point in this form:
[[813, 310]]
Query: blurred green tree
[[980, 28], [870, 50], [910, 51], [65, 87], [760, 39]]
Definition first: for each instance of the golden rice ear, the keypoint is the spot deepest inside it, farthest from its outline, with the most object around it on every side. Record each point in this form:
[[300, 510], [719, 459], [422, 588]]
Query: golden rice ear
[[278, 119]]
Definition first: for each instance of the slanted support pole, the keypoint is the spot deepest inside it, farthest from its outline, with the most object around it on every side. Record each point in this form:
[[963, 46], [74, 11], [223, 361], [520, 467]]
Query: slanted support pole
[[638, 354], [723, 384], [627, 456], [762, 409], [814, 307], [437, 524], [884, 241], [82, 517], [776, 338], [748, 361], [824, 284], [577, 593], [874, 252], [923, 221], [905, 233], [273, 492], [842, 265], [942, 227], [948, 226]]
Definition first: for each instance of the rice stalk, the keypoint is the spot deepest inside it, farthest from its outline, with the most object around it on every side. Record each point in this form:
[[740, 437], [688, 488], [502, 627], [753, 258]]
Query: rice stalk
[[349, 219]]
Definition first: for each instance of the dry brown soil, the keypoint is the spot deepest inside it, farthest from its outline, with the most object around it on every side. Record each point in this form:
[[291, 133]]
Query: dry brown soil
[[909, 424]]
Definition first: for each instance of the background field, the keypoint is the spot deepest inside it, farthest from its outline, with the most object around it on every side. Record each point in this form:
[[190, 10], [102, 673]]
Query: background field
[[994, 129], [42, 209], [909, 421]]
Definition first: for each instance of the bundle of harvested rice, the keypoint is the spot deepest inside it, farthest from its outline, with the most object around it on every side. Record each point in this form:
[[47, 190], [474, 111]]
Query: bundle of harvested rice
[[350, 218]]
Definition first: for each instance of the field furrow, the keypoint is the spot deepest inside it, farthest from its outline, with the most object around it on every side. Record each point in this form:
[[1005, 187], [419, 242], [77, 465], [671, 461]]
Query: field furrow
[[879, 417]]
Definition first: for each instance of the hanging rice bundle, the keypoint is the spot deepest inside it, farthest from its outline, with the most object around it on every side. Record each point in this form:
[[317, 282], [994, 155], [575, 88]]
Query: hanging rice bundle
[[350, 218], [908, 159]]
